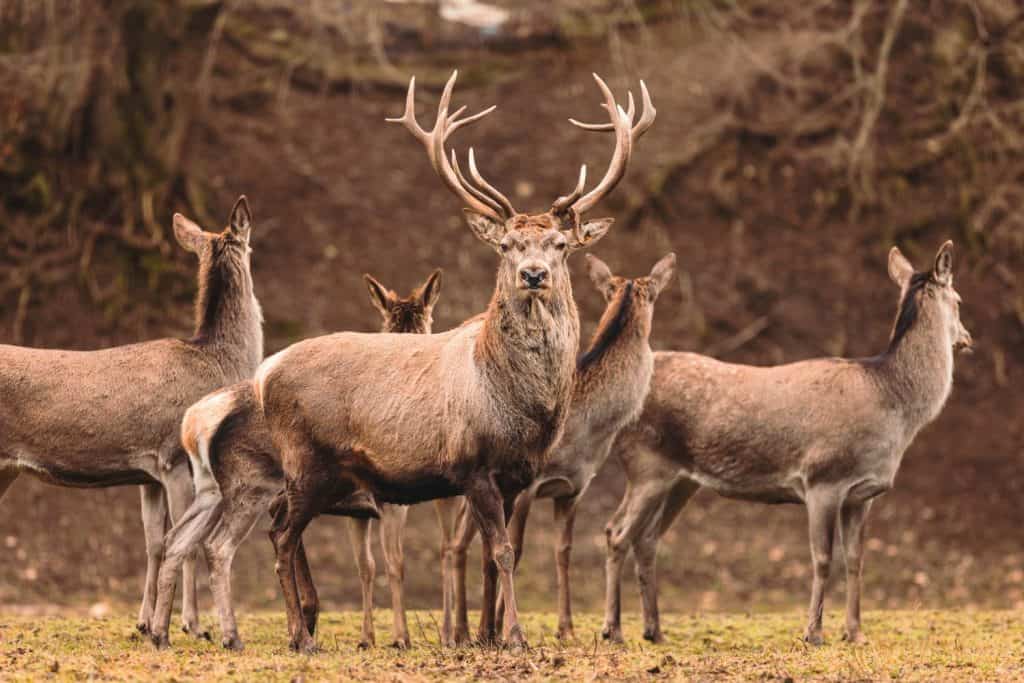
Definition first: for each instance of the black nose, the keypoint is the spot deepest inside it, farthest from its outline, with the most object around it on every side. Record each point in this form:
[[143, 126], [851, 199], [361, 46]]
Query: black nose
[[533, 277]]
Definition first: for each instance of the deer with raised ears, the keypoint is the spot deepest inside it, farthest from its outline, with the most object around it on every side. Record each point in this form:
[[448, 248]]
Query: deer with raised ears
[[612, 379], [111, 417], [471, 411], [827, 433], [238, 478]]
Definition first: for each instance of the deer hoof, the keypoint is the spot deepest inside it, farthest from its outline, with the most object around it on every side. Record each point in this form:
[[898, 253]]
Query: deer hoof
[[814, 638], [653, 635], [233, 643], [566, 634], [160, 641], [403, 644], [854, 637], [613, 634]]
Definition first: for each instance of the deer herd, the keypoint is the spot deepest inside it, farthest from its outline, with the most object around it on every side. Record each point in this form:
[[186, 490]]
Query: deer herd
[[483, 419]]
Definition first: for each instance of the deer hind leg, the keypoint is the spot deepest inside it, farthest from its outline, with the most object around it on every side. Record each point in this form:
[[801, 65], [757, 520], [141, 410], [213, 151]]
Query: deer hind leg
[[645, 552], [852, 520], [490, 509], [154, 524], [392, 527], [822, 513], [178, 484], [466, 528], [235, 525], [447, 510], [517, 533], [291, 519], [565, 518], [309, 601], [640, 508], [359, 537]]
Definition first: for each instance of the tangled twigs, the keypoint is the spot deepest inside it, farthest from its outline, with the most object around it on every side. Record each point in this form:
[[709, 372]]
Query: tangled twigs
[[861, 164]]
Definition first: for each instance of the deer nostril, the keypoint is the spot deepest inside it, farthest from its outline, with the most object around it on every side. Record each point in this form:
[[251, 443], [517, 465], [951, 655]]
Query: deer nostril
[[533, 277]]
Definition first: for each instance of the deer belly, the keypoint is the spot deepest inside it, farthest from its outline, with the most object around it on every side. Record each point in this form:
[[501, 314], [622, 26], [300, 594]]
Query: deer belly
[[75, 475]]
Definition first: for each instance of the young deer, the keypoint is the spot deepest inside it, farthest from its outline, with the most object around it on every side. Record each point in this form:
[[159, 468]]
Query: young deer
[[472, 411], [612, 380], [111, 417], [238, 475], [827, 433]]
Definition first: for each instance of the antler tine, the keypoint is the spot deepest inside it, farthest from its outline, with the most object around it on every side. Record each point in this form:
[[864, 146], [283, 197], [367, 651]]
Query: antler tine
[[623, 150], [487, 187], [434, 141], [564, 202], [646, 117], [469, 186]]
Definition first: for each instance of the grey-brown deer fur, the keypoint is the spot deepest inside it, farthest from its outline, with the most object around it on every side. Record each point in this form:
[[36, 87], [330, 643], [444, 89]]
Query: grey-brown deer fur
[[828, 433], [111, 417], [238, 476], [612, 379], [472, 411]]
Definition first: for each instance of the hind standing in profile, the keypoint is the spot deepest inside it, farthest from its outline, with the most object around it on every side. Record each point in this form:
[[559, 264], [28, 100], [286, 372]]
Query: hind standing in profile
[[238, 476], [112, 417], [828, 433]]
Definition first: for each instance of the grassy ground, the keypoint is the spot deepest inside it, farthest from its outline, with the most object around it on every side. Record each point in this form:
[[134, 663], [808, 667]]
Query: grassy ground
[[903, 645]]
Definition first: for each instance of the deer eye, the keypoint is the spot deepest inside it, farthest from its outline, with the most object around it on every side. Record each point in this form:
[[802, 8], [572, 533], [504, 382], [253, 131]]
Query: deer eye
[[504, 246]]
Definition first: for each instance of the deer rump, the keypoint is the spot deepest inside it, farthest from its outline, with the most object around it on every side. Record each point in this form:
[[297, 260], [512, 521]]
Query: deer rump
[[437, 421]]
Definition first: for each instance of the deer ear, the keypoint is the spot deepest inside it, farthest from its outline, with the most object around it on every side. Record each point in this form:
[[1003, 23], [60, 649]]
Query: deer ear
[[240, 222], [380, 297], [430, 290], [900, 269], [943, 271], [591, 232], [189, 235], [600, 275], [661, 274], [485, 228]]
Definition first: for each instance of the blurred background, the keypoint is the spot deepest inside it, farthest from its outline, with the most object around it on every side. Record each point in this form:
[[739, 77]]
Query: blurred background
[[795, 143]]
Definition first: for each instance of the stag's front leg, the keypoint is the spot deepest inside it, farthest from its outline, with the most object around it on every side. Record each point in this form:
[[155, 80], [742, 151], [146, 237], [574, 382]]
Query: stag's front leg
[[853, 519], [392, 528], [822, 510], [154, 524], [489, 510], [359, 538], [517, 531]]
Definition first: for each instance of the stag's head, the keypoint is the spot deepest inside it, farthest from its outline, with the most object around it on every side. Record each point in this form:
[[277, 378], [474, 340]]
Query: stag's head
[[413, 314], [533, 247], [230, 246], [931, 293]]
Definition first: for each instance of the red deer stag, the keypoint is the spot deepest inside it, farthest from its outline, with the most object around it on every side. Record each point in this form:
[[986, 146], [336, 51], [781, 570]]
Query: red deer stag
[[612, 380], [471, 411], [112, 417], [828, 433], [237, 474]]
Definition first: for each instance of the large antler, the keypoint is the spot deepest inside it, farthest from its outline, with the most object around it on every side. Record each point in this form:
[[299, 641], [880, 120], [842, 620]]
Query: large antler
[[483, 198], [626, 135]]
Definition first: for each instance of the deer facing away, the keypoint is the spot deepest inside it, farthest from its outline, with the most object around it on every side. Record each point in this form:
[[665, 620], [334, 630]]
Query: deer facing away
[[612, 379], [473, 411], [828, 433], [238, 477], [111, 417]]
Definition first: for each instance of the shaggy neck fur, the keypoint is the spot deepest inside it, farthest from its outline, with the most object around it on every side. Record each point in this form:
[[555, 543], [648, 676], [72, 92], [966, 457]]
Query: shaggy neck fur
[[919, 362], [527, 348], [229, 322]]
